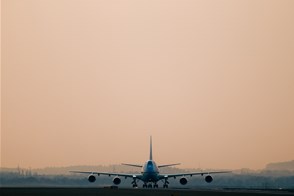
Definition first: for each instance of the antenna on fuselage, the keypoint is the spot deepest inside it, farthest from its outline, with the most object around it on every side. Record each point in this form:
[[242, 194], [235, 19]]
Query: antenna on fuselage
[[150, 156]]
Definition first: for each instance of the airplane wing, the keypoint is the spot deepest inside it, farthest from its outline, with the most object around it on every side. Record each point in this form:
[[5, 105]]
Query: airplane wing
[[165, 176], [138, 176]]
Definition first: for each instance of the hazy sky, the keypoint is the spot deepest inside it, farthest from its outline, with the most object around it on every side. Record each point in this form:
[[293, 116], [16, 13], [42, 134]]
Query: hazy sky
[[87, 81]]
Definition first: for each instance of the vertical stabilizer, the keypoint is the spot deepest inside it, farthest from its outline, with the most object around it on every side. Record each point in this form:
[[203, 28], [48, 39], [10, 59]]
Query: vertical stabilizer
[[150, 157]]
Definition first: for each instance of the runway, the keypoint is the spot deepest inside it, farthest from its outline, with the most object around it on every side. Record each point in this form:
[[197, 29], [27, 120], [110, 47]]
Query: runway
[[132, 192]]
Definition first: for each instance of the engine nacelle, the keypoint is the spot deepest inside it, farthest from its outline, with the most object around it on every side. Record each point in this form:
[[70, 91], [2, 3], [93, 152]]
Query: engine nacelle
[[208, 179], [116, 180], [91, 178], [183, 181]]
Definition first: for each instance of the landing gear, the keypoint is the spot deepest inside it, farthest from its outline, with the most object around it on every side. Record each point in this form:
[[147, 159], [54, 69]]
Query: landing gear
[[134, 183], [149, 185], [165, 185]]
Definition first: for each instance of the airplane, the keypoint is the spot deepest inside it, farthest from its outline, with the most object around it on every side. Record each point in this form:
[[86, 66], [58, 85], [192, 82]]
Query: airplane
[[150, 174]]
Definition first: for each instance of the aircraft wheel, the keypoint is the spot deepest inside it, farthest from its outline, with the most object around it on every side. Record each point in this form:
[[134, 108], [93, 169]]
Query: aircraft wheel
[[144, 186], [165, 186]]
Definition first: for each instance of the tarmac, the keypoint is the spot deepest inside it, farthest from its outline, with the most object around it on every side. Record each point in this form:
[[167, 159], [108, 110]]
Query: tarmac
[[142, 192]]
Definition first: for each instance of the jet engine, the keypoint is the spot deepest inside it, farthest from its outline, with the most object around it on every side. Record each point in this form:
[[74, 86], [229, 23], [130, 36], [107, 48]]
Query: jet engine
[[91, 178], [208, 179], [183, 181], [116, 180]]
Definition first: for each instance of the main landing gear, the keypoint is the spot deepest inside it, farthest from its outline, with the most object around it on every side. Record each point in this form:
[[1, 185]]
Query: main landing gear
[[134, 183], [165, 185], [145, 185]]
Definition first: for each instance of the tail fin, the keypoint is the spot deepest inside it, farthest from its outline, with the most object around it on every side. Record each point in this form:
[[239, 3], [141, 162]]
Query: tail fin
[[150, 156]]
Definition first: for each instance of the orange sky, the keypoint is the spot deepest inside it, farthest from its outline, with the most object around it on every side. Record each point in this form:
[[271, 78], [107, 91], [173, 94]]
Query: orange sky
[[87, 82]]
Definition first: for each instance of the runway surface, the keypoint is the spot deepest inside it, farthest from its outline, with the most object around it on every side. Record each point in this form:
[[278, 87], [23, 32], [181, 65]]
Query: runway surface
[[131, 192]]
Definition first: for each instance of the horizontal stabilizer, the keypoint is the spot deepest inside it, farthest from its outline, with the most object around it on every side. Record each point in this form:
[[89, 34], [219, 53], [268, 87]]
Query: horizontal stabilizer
[[168, 165], [132, 165]]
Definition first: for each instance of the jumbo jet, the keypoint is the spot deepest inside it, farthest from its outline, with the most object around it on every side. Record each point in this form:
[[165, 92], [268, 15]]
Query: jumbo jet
[[150, 174]]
